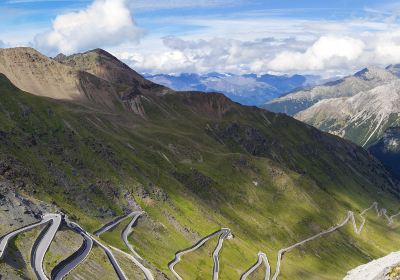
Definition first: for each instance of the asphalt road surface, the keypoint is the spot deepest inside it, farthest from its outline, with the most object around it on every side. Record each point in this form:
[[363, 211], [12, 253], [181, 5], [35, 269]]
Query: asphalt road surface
[[67, 265], [196, 246], [135, 256], [42, 244]]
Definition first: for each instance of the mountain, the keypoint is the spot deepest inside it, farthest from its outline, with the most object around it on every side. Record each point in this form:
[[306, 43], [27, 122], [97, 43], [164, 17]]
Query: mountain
[[100, 83], [193, 162], [301, 100], [362, 118], [247, 89], [359, 108]]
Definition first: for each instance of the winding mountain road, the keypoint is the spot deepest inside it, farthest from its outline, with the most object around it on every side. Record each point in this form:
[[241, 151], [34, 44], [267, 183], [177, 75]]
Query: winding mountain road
[[53, 222], [128, 230], [350, 217], [262, 257], [112, 259], [9, 236], [112, 224], [135, 256], [66, 266], [42, 244], [224, 233]]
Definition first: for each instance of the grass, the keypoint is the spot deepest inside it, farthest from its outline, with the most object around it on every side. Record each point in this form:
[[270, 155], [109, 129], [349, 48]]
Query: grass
[[96, 266], [65, 243], [86, 161]]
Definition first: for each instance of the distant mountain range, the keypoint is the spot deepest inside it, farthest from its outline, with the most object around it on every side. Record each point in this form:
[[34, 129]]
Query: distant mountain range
[[248, 89]]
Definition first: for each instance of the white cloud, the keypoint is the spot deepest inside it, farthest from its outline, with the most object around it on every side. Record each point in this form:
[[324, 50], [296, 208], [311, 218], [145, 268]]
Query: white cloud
[[328, 52], [103, 23], [387, 47], [205, 55], [166, 62]]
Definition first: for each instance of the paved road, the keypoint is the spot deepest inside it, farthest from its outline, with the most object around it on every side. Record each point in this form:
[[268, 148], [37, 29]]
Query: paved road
[[350, 217], [110, 255], [196, 246], [128, 230], [8, 237], [70, 263], [225, 234], [135, 258], [112, 224], [42, 244], [262, 257], [79, 256], [124, 235]]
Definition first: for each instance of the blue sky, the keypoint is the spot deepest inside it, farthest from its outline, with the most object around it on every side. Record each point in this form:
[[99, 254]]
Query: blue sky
[[241, 36]]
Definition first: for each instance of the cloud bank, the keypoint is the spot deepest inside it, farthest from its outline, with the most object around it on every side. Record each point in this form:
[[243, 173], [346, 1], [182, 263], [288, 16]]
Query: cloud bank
[[330, 54], [103, 23]]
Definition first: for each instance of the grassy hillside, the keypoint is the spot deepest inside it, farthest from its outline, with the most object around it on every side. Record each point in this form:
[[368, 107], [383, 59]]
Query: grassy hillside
[[195, 163]]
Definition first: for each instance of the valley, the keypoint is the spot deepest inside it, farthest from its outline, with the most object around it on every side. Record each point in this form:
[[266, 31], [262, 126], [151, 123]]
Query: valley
[[178, 166]]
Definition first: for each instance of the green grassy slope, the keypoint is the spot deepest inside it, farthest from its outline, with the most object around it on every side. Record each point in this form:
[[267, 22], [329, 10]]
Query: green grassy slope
[[196, 163]]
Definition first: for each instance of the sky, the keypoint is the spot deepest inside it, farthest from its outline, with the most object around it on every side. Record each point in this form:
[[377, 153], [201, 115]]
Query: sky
[[201, 36]]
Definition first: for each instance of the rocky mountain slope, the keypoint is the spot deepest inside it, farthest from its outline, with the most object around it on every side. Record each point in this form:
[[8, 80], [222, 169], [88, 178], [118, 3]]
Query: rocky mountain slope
[[95, 78], [194, 162], [362, 118], [359, 108], [301, 100]]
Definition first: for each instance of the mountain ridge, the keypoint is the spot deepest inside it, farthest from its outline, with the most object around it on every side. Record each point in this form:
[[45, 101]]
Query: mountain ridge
[[301, 100]]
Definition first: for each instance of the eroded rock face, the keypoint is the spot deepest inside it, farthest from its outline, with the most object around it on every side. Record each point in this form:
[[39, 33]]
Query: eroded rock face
[[387, 150], [31, 71], [95, 77]]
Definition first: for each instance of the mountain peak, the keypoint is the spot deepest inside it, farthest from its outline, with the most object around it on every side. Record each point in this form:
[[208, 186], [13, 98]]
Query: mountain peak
[[102, 52], [375, 73], [60, 57], [104, 65]]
